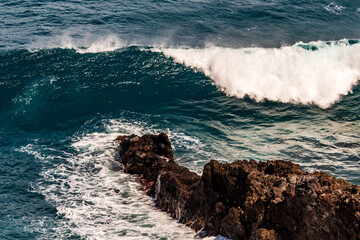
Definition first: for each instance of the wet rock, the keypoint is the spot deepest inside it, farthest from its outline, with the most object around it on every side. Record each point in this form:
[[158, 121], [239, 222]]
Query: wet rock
[[244, 199], [347, 145], [264, 234]]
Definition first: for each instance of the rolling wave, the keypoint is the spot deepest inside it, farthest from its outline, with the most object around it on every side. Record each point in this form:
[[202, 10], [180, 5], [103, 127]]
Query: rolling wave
[[316, 73]]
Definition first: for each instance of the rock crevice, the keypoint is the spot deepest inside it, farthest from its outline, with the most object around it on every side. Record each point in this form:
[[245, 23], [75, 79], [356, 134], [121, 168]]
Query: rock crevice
[[244, 199]]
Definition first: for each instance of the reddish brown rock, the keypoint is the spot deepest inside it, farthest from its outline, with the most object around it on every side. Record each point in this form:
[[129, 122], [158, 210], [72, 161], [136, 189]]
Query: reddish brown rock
[[245, 199]]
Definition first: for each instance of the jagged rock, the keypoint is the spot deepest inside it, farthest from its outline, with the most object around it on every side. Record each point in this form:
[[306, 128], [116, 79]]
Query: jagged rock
[[245, 199]]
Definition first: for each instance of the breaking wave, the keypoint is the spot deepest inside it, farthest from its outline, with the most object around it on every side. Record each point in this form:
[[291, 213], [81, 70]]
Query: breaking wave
[[317, 73]]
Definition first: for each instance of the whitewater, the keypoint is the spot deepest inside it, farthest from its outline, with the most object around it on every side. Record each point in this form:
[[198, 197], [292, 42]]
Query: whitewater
[[290, 74]]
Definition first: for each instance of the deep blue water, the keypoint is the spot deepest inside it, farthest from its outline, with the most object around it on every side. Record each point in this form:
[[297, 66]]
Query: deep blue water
[[225, 80]]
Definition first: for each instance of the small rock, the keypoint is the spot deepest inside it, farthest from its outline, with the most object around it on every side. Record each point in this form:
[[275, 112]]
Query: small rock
[[292, 179], [219, 207], [134, 139]]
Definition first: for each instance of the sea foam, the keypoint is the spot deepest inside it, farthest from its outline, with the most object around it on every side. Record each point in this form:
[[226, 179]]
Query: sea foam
[[95, 201], [314, 73]]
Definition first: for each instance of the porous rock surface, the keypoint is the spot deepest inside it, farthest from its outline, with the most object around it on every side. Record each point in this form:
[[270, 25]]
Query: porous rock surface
[[244, 199]]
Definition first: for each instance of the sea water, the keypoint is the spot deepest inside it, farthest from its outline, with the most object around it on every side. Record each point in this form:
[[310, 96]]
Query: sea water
[[226, 80]]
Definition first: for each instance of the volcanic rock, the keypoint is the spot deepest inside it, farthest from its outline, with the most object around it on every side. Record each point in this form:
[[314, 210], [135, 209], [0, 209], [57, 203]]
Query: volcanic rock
[[244, 199]]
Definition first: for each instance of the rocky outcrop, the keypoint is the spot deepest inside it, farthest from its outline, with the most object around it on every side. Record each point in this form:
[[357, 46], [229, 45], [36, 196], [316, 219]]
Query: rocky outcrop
[[244, 199]]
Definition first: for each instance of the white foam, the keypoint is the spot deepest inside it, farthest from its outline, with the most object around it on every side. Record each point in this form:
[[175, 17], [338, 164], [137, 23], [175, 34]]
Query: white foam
[[106, 44], [94, 201], [290, 74], [90, 44], [334, 8]]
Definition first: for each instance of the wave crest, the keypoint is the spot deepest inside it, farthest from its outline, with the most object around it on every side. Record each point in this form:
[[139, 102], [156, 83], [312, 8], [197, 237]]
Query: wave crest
[[314, 73], [105, 43]]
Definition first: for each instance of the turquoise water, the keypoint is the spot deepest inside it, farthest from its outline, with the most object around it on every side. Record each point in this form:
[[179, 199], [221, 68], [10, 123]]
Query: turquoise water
[[225, 81]]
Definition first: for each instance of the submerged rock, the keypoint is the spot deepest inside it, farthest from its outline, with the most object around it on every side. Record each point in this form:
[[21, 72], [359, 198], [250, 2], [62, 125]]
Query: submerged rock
[[244, 199]]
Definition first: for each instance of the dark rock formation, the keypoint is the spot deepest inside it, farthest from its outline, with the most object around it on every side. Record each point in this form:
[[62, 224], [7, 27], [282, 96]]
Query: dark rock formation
[[245, 199]]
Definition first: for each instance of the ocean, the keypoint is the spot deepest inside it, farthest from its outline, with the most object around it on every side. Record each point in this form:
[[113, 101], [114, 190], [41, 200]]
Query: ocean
[[226, 80]]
